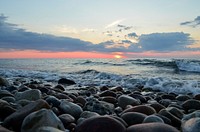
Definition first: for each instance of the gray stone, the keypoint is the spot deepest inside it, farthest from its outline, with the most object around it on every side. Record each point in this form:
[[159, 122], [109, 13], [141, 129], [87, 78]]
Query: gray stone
[[70, 108], [3, 82], [32, 95], [153, 118], [41, 118], [125, 100], [191, 125]]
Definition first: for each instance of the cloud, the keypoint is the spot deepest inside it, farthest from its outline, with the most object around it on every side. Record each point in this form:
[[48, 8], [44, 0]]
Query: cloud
[[173, 41], [89, 30], [14, 38], [124, 27], [194, 23], [114, 23], [132, 35]]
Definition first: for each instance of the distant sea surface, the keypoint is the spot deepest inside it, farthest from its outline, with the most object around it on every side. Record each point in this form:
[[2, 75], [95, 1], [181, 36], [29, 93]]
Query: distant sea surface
[[170, 75]]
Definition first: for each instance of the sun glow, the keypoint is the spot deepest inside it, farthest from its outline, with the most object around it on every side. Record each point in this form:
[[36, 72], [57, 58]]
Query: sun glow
[[118, 56]]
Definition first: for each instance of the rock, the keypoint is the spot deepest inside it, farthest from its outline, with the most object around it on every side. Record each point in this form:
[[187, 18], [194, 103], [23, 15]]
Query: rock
[[99, 107], [2, 129], [5, 93], [66, 119], [41, 118], [165, 102], [109, 99], [197, 97], [104, 88], [70, 108], [139, 97], [100, 124], [157, 106], [191, 104], [183, 97], [148, 110], [32, 95], [15, 119], [85, 115], [153, 118], [165, 119], [59, 87], [81, 100], [191, 125], [3, 82], [175, 111], [49, 129], [125, 100], [132, 118], [5, 109], [51, 100], [9, 99], [168, 96], [66, 81], [151, 127], [108, 93], [176, 122], [191, 115]]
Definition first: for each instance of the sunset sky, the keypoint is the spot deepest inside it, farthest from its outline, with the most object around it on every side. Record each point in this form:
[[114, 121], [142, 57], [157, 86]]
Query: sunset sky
[[99, 28]]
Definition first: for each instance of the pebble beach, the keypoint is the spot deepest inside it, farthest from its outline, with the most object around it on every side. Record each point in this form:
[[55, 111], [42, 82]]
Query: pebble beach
[[36, 106]]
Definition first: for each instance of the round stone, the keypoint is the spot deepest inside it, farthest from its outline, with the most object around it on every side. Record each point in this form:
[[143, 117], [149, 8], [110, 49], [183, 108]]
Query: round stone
[[148, 110], [41, 118], [132, 118], [153, 118], [151, 127], [125, 100], [100, 124]]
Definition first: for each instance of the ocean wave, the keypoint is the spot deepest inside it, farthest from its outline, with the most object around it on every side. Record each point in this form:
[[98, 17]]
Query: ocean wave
[[90, 62], [188, 65], [97, 78]]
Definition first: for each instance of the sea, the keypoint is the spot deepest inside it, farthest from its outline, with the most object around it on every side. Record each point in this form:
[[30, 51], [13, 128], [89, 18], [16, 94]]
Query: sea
[[180, 76]]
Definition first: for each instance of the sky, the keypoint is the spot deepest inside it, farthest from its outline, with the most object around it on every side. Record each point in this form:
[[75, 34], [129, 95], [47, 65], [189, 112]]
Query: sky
[[99, 29]]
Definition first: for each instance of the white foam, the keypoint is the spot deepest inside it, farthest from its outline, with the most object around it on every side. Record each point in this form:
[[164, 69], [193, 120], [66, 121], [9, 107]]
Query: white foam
[[188, 65]]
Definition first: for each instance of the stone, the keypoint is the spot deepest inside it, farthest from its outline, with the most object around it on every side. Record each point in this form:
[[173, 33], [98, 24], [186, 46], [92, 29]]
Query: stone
[[165, 119], [32, 95], [5, 93], [153, 118], [108, 93], [59, 87], [157, 106], [3, 82], [53, 101], [132, 118], [165, 102], [191, 115], [49, 129], [66, 119], [139, 97], [104, 88], [40, 118], [183, 97], [15, 119], [176, 122], [81, 100], [2, 129], [100, 124], [175, 111], [100, 107], [70, 108], [66, 81], [5, 109], [9, 99], [151, 127], [191, 125], [125, 100], [85, 115], [197, 97], [191, 104], [148, 110], [168, 96], [109, 99]]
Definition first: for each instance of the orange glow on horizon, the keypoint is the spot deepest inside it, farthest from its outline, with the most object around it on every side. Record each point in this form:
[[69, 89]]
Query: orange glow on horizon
[[118, 56]]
